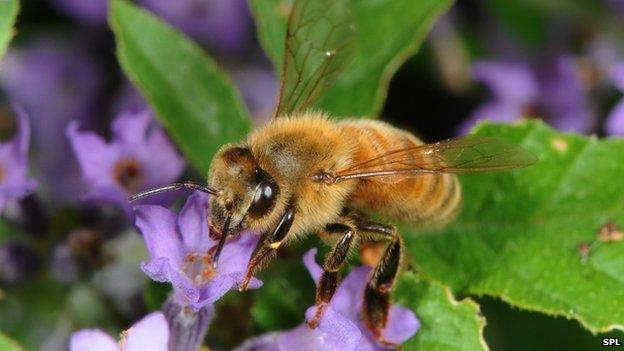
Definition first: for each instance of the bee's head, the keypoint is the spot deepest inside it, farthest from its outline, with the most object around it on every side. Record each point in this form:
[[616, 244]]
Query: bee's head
[[246, 192], [241, 192]]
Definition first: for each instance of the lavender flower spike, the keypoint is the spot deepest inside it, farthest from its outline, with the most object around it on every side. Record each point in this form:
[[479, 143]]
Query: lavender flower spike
[[150, 333], [136, 158], [341, 327], [180, 249], [14, 162]]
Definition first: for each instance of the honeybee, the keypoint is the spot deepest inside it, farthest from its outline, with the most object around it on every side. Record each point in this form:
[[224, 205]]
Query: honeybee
[[305, 172]]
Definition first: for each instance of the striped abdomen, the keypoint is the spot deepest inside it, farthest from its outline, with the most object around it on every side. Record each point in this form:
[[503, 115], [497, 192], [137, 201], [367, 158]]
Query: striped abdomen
[[426, 198]]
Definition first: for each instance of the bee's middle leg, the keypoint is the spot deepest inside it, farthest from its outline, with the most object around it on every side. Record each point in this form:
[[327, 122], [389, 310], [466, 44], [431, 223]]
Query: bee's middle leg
[[331, 268]]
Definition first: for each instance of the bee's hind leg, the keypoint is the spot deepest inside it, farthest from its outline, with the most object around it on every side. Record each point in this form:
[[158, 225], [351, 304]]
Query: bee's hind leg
[[331, 268], [377, 292]]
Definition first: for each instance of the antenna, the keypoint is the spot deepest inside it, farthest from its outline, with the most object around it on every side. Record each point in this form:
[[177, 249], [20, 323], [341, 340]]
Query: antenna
[[170, 187]]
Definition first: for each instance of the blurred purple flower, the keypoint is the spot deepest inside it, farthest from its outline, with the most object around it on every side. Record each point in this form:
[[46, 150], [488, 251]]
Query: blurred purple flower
[[617, 5], [341, 327], [180, 252], [128, 98], [259, 89], [150, 333], [86, 11], [554, 92], [136, 158], [615, 120], [14, 162], [224, 24], [55, 82]]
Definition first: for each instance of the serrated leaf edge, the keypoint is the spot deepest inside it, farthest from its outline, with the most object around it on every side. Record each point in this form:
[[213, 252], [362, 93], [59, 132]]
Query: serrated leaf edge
[[402, 56]]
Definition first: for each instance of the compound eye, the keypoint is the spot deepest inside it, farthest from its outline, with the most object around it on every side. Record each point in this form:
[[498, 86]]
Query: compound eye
[[263, 200]]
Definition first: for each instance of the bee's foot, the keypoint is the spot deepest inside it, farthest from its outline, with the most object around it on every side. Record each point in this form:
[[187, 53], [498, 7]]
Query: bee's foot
[[245, 283], [387, 343], [320, 310]]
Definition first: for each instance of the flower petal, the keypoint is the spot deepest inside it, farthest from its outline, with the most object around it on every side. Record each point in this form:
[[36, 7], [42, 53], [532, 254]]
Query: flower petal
[[168, 166], [96, 158], [193, 224], [615, 121], [109, 194], [313, 267], [510, 82], [617, 75], [563, 96], [130, 128], [150, 333], [237, 253], [231, 270], [162, 270], [18, 190], [350, 294], [92, 340], [22, 139], [402, 324], [336, 332], [159, 228], [214, 289], [264, 342]]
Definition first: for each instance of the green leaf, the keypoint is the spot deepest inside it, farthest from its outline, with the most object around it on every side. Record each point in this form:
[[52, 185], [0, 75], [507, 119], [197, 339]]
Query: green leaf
[[8, 15], [7, 344], [30, 313], [518, 235], [193, 99], [388, 32], [286, 293], [512, 329], [44, 310], [155, 294], [446, 324]]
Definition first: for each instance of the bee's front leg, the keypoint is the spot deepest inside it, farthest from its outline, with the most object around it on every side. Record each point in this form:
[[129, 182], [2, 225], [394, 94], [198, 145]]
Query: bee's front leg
[[267, 248], [331, 268]]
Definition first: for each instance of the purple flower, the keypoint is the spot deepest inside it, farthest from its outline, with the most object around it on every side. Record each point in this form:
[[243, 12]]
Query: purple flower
[[55, 82], [615, 121], [259, 88], [89, 11], [553, 91], [563, 96], [128, 98], [14, 162], [136, 158], [224, 24], [616, 5], [341, 327], [180, 252], [150, 333]]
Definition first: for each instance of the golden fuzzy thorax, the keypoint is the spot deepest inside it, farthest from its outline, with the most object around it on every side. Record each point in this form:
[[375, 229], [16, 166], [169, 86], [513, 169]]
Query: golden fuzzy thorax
[[294, 149]]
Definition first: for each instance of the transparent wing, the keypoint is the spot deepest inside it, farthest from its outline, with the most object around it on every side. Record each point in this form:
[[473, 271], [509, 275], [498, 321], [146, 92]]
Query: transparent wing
[[468, 154], [319, 43]]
